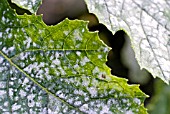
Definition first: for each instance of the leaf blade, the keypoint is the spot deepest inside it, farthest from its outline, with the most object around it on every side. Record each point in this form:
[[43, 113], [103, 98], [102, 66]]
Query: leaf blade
[[147, 28], [31, 5], [58, 69]]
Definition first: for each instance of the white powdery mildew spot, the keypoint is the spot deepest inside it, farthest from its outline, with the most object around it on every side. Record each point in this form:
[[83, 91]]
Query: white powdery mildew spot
[[65, 110], [56, 62], [40, 74], [31, 101], [27, 42], [129, 112], [58, 92], [85, 81], [87, 98], [59, 54], [6, 104], [26, 81], [94, 43], [42, 64], [32, 111], [62, 71], [99, 56], [11, 49], [51, 57], [3, 68], [46, 71], [94, 82], [124, 101], [3, 18], [95, 70], [136, 100], [29, 68], [22, 64], [77, 103], [15, 107], [78, 45], [34, 44], [12, 83], [7, 30], [62, 95], [82, 30], [3, 84], [8, 50], [48, 77], [27, 87], [105, 109], [23, 3], [79, 92], [84, 108], [40, 31], [66, 32], [24, 56], [38, 104], [78, 53], [112, 101], [93, 91], [77, 35], [106, 50], [70, 100], [19, 81], [68, 52], [1, 60], [76, 66], [0, 34], [11, 93], [16, 98], [84, 61], [9, 35], [2, 93], [22, 93]]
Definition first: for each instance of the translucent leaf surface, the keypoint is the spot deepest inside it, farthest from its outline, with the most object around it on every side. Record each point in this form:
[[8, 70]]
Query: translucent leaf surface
[[58, 69], [148, 25], [31, 5]]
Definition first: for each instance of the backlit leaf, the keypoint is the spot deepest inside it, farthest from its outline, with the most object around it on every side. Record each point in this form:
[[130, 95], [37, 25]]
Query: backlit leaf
[[31, 5], [148, 25]]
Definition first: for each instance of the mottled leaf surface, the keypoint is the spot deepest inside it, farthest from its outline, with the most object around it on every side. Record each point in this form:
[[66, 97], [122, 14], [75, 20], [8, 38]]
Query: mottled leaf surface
[[58, 69], [31, 5], [148, 25]]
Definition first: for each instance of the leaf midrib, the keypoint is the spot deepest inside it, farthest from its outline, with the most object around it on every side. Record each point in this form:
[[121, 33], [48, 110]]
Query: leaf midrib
[[43, 88]]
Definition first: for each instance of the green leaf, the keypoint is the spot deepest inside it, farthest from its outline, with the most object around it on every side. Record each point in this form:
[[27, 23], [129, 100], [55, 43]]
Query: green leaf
[[58, 69], [160, 101], [148, 25], [31, 5]]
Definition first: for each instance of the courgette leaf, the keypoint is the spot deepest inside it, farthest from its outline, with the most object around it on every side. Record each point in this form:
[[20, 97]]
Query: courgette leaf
[[148, 25], [58, 69], [31, 5]]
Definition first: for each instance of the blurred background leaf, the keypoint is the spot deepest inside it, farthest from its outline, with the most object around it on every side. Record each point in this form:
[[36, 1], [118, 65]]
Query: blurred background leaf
[[160, 102]]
